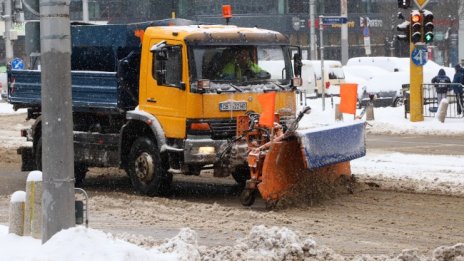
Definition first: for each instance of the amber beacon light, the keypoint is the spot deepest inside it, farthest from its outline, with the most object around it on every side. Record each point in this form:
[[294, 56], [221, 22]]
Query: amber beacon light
[[227, 12]]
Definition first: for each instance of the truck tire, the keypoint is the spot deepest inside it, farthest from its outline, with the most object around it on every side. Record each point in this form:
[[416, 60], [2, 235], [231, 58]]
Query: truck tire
[[38, 154], [148, 173], [241, 174], [80, 170]]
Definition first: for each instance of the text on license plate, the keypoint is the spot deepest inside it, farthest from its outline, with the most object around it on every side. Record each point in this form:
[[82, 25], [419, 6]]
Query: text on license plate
[[232, 106]]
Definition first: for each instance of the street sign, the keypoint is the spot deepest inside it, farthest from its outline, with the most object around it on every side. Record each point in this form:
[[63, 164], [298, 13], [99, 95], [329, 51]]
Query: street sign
[[17, 64], [421, 3], [419, 56], [327, 20]]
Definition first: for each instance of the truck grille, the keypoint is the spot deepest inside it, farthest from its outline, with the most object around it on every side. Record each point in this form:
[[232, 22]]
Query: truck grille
[[226, 128], [223, 128]]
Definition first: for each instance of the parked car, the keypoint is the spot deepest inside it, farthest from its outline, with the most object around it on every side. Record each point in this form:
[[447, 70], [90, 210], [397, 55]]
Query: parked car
[[386, 84], [333, 76]]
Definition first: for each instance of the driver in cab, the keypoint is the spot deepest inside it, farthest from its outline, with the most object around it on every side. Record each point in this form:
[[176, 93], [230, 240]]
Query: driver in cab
[[241, 67]]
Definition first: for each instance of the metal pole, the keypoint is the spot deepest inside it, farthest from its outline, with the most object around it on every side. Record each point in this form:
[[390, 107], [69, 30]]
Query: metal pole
[[416, 78], [8, 44], [321, 44], [57, 122], [344, 33], [312, 30], [461, 31], [85, 10]]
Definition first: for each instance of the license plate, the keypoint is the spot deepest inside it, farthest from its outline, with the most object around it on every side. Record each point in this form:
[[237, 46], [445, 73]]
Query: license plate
[[232, 106]]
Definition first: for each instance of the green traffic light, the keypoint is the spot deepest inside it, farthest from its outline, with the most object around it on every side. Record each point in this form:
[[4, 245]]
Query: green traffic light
[[428, 38]]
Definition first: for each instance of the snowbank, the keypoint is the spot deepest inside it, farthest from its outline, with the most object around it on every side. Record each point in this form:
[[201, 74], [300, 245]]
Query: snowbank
[[262, 243]]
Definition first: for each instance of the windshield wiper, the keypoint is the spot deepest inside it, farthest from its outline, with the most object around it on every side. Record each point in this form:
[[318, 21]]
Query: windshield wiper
[[219, 90], [278, 85], [235, 87]]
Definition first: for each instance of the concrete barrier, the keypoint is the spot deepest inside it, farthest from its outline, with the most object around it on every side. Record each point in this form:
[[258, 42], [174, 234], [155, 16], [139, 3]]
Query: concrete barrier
[[442, 110], [16, 214], [33, 213]]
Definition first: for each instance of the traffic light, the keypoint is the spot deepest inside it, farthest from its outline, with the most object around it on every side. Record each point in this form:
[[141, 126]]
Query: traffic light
[[405, 4], [428, 26], [404, 28], [416, 26]]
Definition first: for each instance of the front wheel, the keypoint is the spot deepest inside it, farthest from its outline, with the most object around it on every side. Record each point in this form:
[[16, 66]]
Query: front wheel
[[148, 172], [241, 174]]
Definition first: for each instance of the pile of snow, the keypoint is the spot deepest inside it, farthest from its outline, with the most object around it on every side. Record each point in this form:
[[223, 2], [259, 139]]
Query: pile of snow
[[262, 243]]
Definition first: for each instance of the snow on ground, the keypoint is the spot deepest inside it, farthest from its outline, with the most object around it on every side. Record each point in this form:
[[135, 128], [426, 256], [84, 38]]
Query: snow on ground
[[442, 173]]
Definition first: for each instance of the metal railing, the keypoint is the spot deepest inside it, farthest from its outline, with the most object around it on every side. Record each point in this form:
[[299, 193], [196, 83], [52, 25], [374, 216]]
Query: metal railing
[[431, 102]]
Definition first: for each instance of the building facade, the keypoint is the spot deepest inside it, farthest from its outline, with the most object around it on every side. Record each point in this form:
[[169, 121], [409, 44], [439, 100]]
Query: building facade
[[371, 23]]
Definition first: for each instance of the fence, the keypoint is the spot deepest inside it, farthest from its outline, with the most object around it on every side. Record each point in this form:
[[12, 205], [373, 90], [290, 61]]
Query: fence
[[431, 102]]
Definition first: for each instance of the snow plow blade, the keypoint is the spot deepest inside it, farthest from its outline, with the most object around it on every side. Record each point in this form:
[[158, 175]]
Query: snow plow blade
[[325, 151], [326, 146]]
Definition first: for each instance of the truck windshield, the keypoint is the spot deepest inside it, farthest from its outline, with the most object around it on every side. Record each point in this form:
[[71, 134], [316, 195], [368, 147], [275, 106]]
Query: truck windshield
[[243, 67]]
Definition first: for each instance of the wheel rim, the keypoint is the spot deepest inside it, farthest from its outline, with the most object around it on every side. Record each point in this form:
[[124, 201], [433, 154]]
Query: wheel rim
[[144, 167]]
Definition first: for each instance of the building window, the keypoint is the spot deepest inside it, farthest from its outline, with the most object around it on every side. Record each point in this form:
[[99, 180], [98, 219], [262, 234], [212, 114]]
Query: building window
[[298, 7], [208, 7]]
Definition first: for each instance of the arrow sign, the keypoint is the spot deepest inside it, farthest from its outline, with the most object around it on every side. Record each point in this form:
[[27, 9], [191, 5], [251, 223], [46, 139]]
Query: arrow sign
[[419, 56], [421, 3], [334, 20]]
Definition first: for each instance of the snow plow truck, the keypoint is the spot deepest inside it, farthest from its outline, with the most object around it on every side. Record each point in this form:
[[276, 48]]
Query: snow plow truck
[[150, 98]]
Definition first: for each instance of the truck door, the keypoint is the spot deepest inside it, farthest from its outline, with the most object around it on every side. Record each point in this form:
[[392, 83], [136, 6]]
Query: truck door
[[165, 86]]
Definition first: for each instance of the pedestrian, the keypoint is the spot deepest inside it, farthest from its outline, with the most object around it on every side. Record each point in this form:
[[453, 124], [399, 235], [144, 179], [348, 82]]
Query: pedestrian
[[458, 81], [441, 85]]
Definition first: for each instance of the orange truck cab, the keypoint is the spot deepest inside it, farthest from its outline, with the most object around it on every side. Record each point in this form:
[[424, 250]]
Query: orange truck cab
[[191, 87]]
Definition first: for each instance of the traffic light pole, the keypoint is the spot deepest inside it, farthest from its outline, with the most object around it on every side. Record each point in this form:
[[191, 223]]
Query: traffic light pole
[[415, 89]]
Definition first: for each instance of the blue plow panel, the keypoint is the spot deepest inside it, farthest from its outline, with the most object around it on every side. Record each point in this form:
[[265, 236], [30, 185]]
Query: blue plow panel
[[330, 145]]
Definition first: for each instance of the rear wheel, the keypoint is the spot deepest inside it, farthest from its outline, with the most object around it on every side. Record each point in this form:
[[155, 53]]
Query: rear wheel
[[38, 154], [398, 102], [80, 169], [147, 171]]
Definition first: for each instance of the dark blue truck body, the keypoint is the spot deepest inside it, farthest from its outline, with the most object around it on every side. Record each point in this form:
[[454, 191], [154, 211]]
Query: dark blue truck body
[[105, 64], [90, 91]]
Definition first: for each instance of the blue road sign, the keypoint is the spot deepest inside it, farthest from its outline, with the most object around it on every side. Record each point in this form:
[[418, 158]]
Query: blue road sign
[[17, 64], [366, 31], [334, 20], [419, 56]]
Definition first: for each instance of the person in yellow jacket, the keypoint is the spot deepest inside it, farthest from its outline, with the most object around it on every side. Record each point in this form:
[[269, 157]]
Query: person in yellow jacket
[[241, 67]]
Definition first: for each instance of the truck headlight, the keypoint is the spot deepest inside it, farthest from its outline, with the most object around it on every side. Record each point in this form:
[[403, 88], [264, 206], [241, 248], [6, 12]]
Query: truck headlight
[[206, 150]]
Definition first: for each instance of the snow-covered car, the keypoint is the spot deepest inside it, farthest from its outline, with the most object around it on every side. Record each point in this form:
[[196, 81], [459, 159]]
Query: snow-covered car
[[386, 77]]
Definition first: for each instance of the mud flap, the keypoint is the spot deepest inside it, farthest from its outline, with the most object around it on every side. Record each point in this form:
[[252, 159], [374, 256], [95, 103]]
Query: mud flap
[[27, 158]]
